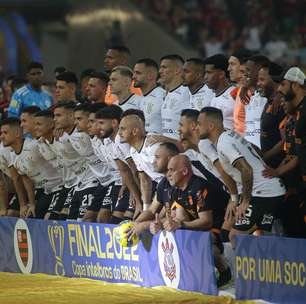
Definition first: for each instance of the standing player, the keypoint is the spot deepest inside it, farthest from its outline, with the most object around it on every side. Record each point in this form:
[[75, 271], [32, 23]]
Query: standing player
[[177, 98], [120, 82], [193, 78], [241, 93], [145, 77], [216, 78], [272, 115], [31, 94], [254, 109], [292, 88], [260, 196], [117, 56], [66, 87], [97, 85]]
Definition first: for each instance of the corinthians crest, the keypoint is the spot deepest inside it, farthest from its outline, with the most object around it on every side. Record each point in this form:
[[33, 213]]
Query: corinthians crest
[[56, 238], [169, 259], [169, 263]]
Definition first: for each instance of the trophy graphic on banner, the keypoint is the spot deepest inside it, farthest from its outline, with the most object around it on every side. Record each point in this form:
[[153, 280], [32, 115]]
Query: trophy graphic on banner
[[56, 239]]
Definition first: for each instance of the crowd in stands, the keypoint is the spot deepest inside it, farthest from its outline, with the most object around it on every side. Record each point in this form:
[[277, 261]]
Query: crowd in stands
[[277, 28]]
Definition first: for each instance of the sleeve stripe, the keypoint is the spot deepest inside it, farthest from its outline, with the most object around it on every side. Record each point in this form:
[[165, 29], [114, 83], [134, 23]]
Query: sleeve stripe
[[234, 162]]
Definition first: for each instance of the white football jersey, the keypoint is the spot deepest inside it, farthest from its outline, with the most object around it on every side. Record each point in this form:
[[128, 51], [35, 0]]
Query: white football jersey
[[225, 102], [175, 101], [6, 159], [151, 104], [31, 163], [106, 170], [231, 147], [207, 156], [81, 142], [144, 159], [201, 97], [47, 152], [193, 157], [132, 102], [73, 165], [253, 112]]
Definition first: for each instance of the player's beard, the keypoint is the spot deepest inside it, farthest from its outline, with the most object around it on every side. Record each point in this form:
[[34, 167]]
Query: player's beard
[[289, 95], [107, 133]]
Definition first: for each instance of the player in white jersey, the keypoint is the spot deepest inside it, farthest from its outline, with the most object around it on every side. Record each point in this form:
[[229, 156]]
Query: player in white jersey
[[44, 128], [88, 190], [260, 196], [193, 78], [10, 181], [39, 171], [216, 77], [122, 165], [120, 83], [145, 77], [177, 98], [40, 179], [253, 112], [73, 165], [132, 131], [254, 109], [206, 158]]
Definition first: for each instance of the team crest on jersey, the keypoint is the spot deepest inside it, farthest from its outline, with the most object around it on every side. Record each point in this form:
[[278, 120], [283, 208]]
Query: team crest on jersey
[[23, 246], [14, 103], [169, 261], [150, 108]]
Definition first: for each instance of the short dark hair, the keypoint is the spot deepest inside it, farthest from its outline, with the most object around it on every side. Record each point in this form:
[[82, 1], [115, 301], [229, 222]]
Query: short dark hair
[[34, 65], [136, 112], [110, 112], [86, 73], [59, 70], [242, 54], [31, 110], [100, 75], [219, 61], [121, 49], [11, 121], [66, 104], [196, 61], [68, 77], [45, 113], [171, 148], [95, 107], [191, 113], [173, 57], [148, 62], [85, 107], [213, 112], [259, 60]]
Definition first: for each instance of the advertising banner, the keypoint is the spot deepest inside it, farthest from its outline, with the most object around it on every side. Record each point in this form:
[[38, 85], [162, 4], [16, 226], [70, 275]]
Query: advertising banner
[[271, 268], [181, 260]]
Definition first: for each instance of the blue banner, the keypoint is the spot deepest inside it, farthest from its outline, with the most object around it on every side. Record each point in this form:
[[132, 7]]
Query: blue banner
[[181, 260], [271, 268]]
